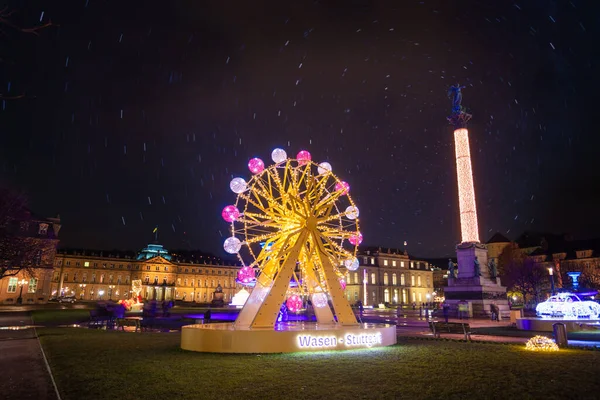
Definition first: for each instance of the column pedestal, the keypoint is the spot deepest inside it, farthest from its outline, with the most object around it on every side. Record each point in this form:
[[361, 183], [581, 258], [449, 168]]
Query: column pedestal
[[475, 293]]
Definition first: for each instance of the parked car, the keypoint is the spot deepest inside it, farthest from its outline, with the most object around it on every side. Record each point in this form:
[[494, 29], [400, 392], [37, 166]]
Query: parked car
[[66, 299], [568, 305]]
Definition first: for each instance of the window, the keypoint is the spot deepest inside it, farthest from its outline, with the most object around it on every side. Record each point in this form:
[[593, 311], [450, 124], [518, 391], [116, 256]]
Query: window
[[402, 281], [186, 270], [178, 281], [102, 278], [419, 280], [12, 285], [412, 264], [372, 260], [66, 277], [393, 263], [420, 297], [386, 295], [365, 260], [219, 272], [412, 280], [414, 296], [158, 268], [385, 279], [93, 278], [166, 269], [156, 280], [385, 263], [43, 229], [75, 277], [68, 263], [118, 279], [356, 278], [401, 264], [110, 279], [86, 264], [147, 268], [147, 279], [32, 288], [77, 264], [212, 282], [84, 277], [127, 279], [373, 278], [394, 279]]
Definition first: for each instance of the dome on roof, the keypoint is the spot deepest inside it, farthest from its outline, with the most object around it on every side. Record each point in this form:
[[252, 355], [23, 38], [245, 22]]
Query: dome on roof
[[153, 250]]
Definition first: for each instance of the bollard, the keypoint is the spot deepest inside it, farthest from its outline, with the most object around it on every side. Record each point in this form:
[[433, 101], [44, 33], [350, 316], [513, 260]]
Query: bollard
[[560, 334]]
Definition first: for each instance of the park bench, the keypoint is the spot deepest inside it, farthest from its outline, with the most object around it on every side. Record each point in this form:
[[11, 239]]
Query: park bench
[[123, 322], [439, 327]]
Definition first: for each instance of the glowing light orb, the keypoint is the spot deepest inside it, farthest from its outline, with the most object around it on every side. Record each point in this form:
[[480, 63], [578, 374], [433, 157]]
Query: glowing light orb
[[232, 245], [541, 343], [246, 275], [352, 264], [230, 213], [238, 185], [352, 212], [319, 300], [303, 157], [256, 165], [294, 303], [278, 155], [356, 239], [343, 283], [324, 168], [342, 186]]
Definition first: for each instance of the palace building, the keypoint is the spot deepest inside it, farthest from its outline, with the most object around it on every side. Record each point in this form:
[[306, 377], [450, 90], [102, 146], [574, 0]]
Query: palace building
[[389, 276], [90, 275]]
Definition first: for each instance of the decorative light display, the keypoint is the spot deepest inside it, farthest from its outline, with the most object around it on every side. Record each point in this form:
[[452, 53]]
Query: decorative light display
[[303, 157], [319, 300], [324, 168], [294, 303], [246, 275], [230, 213], [466, 190], [256, 165], [343, 284], [356, 238], [352, 212], [240, 298], [569, 306], [278, 156], [541, 343], [232, 245], [238, 185], [275, 237], [352, 264], [343, 187]]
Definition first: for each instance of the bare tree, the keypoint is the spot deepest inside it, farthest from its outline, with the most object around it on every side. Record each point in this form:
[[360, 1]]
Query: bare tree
[[6, 22], [520, 273], [26, 242]]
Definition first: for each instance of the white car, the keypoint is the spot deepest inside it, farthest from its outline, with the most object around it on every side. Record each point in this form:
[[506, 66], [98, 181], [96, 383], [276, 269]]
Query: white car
[[568, 305]]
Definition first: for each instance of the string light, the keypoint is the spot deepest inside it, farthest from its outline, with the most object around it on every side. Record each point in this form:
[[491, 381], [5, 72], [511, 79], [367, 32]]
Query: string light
[[541, 343], [466, 191]]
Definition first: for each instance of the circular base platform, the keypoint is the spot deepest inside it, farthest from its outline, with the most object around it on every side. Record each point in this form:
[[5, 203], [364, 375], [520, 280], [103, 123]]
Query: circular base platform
[[545, 324], [285, 337]]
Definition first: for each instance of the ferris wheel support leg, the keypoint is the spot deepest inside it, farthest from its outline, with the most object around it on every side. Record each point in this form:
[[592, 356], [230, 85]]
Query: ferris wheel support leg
[[343, 311], [269, 309], [323, 314]]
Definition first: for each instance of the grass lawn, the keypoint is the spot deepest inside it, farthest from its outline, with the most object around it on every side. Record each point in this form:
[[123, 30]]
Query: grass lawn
[[95, 364], [60, 317]]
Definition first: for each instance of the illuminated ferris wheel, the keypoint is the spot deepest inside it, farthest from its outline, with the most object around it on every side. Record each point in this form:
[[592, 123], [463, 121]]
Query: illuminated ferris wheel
[[295, 223]]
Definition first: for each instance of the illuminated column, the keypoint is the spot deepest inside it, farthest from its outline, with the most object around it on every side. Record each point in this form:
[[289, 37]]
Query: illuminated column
[[466, 191]]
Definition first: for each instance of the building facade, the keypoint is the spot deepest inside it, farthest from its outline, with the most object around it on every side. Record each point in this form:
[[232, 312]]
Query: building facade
[[28, 257], [89, 275], [389, 276]]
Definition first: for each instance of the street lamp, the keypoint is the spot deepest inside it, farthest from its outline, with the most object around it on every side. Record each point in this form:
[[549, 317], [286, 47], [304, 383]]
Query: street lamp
[[551, 272], [82, 290], [111, 287], [22, 283], [100, 293]]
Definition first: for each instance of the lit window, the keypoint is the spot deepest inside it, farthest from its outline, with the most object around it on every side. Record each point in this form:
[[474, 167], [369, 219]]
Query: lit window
[[32, 288], [372, 260], [402, 281], [412, 280], [373, 278], [385, 263], [385, 279], [12, 285], [420, 297], [419, 280], [393, 263], [401, 264], [356, 278], [394, 279], [166, 269], [86, 264]]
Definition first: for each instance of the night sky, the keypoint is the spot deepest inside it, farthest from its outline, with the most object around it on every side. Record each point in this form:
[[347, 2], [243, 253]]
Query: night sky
[[139, 113]]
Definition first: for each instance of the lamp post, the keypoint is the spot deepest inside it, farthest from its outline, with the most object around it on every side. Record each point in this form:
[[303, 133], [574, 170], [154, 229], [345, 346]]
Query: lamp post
[[551, 272], [101, 293], [22, 283], [110, 291], [82, 290]]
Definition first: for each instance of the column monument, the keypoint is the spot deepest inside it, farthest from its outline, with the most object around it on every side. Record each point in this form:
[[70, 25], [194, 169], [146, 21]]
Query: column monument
[[476, 285]]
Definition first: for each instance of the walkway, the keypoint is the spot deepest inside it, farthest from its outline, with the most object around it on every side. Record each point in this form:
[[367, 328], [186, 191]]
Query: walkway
[[24, 372]]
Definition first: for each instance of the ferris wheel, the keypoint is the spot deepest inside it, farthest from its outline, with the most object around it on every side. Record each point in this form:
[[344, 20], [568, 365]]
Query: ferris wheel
[[295, 223]]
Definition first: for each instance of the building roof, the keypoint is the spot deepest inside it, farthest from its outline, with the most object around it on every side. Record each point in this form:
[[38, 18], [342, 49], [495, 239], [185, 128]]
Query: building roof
[[498, 238]]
